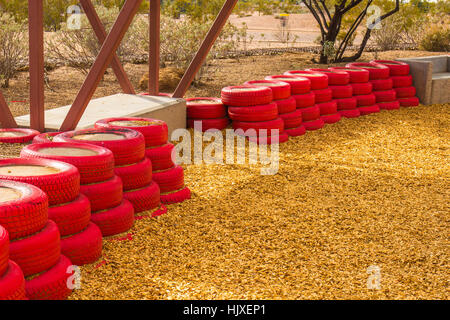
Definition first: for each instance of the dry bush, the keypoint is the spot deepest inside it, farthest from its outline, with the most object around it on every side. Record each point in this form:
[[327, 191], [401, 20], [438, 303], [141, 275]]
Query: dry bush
[[13, 47], [436, 38]]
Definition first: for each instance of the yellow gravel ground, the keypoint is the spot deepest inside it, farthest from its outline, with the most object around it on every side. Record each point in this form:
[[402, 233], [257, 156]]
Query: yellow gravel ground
[[372, 191]]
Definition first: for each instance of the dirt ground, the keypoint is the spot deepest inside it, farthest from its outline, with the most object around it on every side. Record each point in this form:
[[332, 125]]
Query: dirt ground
[[65, 82]]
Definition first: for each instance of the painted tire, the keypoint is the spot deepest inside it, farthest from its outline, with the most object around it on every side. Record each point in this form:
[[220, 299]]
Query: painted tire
[[169, 180], [376, 71], [323, 95], [256, 113], [335, 78], [209, 124], [144, 199], [127, 150], [296, 132], [305, 100], [93, 168], [331, 118], [155, 131], [135, 176], [161, 157], [205, 108], [405, 92], [310, 113], [409, 102], [116, 220], [12, 283], [362, 88], [346, 104], [45, 137], [84, 247], [293, 119], [393, 105], [357, 75], [71, 217], [60, 187], [104, 195], [369, 109], [286, 106], [366, 100], [318, 80], [327, 108], [176, 197], [341, 92], [402, 81], [17, 135], [38, 252], [352, 113], [299, 85], [24, 216], [268, 126], [243, 96], [280, 90], [381, 84], [314, 124], [385, 96], [4, 250], [396, 68]]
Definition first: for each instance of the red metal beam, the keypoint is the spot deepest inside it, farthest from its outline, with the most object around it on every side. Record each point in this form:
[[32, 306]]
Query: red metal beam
[[6, 117], [100, 65], [206, 46], [36, 60], [154, 47], [101, 34]]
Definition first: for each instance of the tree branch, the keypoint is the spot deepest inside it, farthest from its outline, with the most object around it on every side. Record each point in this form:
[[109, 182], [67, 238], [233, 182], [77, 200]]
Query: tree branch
[[314, 13]]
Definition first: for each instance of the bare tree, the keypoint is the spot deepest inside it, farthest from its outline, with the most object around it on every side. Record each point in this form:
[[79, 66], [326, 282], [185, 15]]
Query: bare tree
[[329, 15]]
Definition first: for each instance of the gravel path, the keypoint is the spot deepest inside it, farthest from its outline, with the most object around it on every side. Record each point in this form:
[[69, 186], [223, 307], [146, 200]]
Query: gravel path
[[371, 191]]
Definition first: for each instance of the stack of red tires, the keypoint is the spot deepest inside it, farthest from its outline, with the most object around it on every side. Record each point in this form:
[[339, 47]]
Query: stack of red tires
[[361, 87], [12, 281], [284, 93], [17, 135], [381, 88], [95, 165], [210, 112], [339, 88], [307, 102], [254, 113], [402, 82], [35, 241], [168, 179]]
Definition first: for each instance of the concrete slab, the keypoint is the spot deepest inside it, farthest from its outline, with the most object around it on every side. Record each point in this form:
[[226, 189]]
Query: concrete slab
[[170, 110]]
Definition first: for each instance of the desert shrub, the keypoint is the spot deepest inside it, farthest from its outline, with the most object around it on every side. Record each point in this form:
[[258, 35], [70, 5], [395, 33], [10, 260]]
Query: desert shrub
[[389, 36], [437, 38], [79, 48], [13, 47], [181, 38]]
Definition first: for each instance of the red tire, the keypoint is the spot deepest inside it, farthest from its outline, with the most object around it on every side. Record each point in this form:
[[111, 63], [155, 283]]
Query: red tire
[[292, 120], [269, 140], [244, 96], [376, 71], [61, 181], [393, 105], [396, 68], [4, 250], [385, 96], [405, 92], [209, 124], [84, 247], [286, 106], [366, 100], [381, 84], [52, 284], [409, 102], [12, 283], [155, 131], [25, 215], [161, 157], [335, 78], [305, 100], [205, 108], [135, 176], [352, 113], [402, 81], [260, 128], [357, 75], [346, 104], [318, 80], [296, 132], [299, 85], [176, 197], [45, 137], [323, 95], [17, 135], [327, 108], [314, 124], [116, 220], [331, 118], [169, 180], [94, 163], [310, 113], [257, 113], [280, 89], [104, 195], [341, 92], [71, 217], [362, 88], [127, 148], [369, 109], [38, 252], [144, 199]]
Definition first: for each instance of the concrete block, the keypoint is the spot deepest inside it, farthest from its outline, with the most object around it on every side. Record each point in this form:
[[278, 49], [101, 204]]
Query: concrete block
[[170, 110]]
